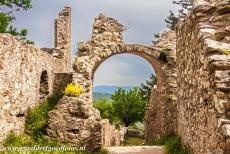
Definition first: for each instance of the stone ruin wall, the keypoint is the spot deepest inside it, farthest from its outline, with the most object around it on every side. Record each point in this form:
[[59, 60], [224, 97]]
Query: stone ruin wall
[[110, 136], [203, 79], [161, 111], [21, 66]]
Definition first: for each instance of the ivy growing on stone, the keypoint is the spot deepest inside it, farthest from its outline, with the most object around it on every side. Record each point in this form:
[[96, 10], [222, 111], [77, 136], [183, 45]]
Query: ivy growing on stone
[[163, 57]]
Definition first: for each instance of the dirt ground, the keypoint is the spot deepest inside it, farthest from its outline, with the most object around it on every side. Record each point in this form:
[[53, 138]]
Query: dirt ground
[[136, 150]]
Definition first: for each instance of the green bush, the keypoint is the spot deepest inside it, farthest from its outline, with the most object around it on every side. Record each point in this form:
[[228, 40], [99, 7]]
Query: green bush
[[172, 144], [106, 109], [36, 119], [129, 106]]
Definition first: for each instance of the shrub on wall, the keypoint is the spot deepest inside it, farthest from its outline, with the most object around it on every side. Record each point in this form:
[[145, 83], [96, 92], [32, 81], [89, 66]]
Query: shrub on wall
[[73, 90], [37, 117], [163, 57]]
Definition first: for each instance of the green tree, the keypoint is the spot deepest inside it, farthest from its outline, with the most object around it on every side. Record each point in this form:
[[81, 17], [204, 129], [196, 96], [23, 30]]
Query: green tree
[[145, 88], [171, 21], [129, 106], [156, 38], [16, 4], [106, 109], [7, 17], [186, 5]]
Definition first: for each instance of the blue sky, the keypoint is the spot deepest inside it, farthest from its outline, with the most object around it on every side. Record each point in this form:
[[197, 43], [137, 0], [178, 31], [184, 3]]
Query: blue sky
[[142, 17]]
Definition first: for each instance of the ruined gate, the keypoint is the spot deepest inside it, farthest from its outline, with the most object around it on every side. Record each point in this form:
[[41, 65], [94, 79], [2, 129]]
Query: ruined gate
[[75, 120], [107, 41]]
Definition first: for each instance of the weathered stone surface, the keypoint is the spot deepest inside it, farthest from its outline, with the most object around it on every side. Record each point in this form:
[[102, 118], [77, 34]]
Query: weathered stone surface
[[76, 122], [21, 82], [203, 79], [110, 136], [135, 133]]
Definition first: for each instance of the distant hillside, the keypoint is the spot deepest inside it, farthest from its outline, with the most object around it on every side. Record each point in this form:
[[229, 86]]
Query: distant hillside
[[109, 89], [97, 96]]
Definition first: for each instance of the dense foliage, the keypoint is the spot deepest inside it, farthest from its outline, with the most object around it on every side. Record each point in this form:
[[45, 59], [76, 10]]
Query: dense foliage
[[126, 107], [172, 19], [7, 17], [145, 88], [185, 5], [16, 4], [106, 109], [129, 106], [36, 119]]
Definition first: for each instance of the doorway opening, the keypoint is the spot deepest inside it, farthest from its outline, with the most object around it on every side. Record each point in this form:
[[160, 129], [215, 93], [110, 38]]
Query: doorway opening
[[44, 87]]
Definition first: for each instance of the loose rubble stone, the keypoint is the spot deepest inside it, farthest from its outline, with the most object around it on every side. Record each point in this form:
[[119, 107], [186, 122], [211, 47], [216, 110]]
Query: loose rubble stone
[[76, 122]]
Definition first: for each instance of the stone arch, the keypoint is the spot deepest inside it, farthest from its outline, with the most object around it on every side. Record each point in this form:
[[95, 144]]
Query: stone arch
[[151, 63], [87, 64], [107, 41], [44, 85], [135, 50]]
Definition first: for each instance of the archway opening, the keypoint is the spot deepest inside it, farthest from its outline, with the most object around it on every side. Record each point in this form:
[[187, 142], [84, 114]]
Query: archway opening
[[119, 84], [44, 87]]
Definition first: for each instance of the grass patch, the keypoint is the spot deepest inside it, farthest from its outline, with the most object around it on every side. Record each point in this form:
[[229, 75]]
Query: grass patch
[[172, 144], [133, 141]]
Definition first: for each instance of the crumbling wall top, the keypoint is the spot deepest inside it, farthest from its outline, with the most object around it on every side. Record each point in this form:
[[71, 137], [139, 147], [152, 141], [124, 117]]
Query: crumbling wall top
[[107, 29], [209, 2], [65, 12], [63, 35]]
